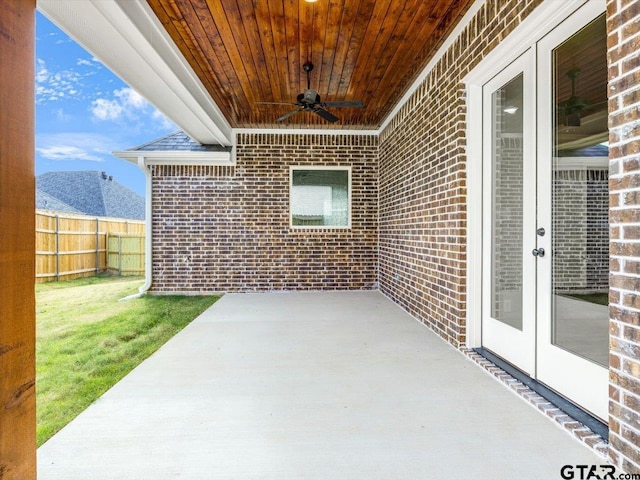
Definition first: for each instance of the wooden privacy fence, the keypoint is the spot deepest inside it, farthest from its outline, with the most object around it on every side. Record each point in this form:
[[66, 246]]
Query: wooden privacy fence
[[125, 253], [71, 246]]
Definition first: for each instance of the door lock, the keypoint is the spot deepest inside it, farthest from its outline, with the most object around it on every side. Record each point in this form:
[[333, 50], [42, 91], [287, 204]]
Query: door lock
[[538, 252]]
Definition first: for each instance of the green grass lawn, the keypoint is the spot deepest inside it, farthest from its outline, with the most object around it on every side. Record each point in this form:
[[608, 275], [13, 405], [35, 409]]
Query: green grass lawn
[[87, 340], [599, 298]]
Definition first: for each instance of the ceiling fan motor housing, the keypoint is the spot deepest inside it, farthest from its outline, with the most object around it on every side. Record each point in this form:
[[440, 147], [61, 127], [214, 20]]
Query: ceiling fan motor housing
[[309, 97]]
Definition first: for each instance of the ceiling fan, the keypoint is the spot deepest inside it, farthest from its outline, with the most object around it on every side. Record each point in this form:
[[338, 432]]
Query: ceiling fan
[[309, 101], [573, 107]]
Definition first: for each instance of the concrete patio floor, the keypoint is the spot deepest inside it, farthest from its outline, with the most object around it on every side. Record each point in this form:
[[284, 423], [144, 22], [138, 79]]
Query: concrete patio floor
[[336, 385]]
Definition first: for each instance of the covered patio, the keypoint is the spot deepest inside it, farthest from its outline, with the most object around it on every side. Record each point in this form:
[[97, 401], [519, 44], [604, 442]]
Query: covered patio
[[349, 385], [313, 385]]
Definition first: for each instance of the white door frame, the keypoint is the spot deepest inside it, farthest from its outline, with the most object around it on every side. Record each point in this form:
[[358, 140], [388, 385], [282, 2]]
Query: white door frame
[[539, 23]]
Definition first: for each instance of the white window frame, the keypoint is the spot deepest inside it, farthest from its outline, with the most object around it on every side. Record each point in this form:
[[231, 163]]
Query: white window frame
[[293, 168]]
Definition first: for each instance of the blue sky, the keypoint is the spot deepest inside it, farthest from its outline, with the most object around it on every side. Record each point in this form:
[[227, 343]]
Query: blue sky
[[84, 112]]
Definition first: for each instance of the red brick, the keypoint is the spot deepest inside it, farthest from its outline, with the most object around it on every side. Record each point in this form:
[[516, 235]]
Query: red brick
[[632, 267], [629, 215], [624, 315], [620, 379], [632, 333], [624, 83], [632, 164], [614, 265], [615, 233], [614, 296], [624, 249], [621, 183], [631, 232], [632, 436], [631, 300], [631, 367]]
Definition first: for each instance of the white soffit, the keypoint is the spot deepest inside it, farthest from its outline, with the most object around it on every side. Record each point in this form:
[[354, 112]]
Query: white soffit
[[128, 38]]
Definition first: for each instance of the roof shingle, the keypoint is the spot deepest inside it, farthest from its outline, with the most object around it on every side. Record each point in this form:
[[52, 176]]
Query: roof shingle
[[178, 141], [89, 192]]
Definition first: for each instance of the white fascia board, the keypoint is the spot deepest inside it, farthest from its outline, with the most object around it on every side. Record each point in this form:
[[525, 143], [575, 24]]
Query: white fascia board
[[128, 38], [164, 157]]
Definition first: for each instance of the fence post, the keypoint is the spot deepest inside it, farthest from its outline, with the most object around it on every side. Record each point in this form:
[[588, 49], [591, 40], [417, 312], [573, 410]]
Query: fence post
[[126, 226], [57, 248], [97, 245], [120, 255]]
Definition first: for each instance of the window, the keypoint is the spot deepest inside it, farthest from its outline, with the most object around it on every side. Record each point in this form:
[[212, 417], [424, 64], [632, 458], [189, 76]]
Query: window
[[320, 197]]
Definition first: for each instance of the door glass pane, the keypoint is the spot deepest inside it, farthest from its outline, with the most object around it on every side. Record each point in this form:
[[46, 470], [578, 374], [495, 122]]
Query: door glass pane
[[580, 195], [507, 170]]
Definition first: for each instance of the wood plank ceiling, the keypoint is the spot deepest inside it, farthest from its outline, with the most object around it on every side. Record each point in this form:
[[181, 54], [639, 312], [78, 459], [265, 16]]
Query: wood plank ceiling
[[249, 51]]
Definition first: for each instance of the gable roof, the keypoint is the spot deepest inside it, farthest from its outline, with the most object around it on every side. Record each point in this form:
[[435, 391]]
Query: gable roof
[[88, 192], [177, 142], [44, 201], [178, 148]]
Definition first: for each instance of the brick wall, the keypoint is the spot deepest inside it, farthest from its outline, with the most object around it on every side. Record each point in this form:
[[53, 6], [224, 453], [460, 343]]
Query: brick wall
[[623, 27], [507, 228], [581, 220], [227, 228], [423, 185]]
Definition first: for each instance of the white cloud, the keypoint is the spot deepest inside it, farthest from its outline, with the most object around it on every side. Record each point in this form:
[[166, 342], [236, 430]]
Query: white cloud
[[104, 109], [42, 74], [74, 146], [54, 86], [67, 152], [131, 98], [128, 105]]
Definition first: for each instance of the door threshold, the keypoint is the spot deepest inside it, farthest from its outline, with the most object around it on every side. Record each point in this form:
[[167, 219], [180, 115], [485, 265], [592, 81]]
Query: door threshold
[[584, 426]]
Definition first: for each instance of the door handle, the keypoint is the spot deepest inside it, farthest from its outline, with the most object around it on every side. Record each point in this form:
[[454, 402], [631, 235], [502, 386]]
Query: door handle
[[538, 252]]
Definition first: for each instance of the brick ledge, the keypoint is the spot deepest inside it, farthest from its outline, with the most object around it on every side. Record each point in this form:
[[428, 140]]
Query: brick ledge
[[579, 431]]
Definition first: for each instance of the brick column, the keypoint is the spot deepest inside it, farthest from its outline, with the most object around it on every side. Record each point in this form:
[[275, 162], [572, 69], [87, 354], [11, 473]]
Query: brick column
[[623, 27]]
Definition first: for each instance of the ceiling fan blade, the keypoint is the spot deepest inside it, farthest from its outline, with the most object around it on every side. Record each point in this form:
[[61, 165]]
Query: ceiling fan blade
[[326, 115], [274, 103], [343, 104], [287, 115]]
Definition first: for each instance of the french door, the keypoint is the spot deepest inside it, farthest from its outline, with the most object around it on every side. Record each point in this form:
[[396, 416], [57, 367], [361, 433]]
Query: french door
[[545, 211], [509, 190]]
